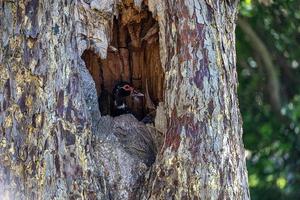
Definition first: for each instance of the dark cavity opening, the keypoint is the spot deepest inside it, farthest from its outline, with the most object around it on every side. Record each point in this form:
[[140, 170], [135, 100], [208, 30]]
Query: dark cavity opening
[[133, 56]]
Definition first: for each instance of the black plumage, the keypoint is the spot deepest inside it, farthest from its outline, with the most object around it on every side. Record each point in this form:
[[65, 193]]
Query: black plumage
[[120, 92], [115, 103]]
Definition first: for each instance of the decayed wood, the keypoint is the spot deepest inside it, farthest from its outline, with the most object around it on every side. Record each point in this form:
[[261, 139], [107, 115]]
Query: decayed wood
[[133, 56], [93, 62]]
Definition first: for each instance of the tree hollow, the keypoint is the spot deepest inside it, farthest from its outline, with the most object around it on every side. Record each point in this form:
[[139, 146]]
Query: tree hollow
[[133, 56]]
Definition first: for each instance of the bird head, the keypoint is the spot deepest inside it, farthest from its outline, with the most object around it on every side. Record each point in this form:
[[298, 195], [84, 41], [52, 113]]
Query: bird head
[[125, 89]]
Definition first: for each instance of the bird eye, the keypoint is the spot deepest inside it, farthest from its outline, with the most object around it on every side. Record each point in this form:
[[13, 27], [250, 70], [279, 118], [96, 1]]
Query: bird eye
[[126, 87]]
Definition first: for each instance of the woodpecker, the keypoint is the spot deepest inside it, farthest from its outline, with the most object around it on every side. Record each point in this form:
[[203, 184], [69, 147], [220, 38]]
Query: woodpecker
[[120, 92]]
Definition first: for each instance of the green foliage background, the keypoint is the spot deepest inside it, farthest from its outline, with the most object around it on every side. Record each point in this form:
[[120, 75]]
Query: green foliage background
[[271, 138]]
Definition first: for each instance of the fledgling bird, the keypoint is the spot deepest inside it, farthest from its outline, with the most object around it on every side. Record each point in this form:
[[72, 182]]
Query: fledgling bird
[[120, 92]]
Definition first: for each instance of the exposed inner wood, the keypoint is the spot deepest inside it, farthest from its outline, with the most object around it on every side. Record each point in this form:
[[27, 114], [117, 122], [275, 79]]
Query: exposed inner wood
[[133, 56]]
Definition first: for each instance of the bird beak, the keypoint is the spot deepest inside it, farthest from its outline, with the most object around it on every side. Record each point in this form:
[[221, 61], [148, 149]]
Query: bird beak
[[136, 93]]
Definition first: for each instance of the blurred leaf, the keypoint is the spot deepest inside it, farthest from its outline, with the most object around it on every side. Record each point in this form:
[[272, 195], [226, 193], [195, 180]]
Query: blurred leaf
[[281, 182], [253, 180]]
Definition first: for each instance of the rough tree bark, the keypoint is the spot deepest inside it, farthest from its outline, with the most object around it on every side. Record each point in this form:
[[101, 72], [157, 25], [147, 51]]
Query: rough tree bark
[[203, 154], [49, 111]]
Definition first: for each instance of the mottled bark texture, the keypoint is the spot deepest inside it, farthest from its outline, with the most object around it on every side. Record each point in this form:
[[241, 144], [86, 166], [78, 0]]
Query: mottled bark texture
[[203, 154], [54, 144], [46, 109]]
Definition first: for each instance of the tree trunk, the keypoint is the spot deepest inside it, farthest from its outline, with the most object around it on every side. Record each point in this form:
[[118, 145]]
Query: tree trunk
[[53, 141], [203, 154]]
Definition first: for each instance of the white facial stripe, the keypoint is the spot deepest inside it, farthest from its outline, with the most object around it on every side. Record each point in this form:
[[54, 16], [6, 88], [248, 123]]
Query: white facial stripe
[[121, 106]]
